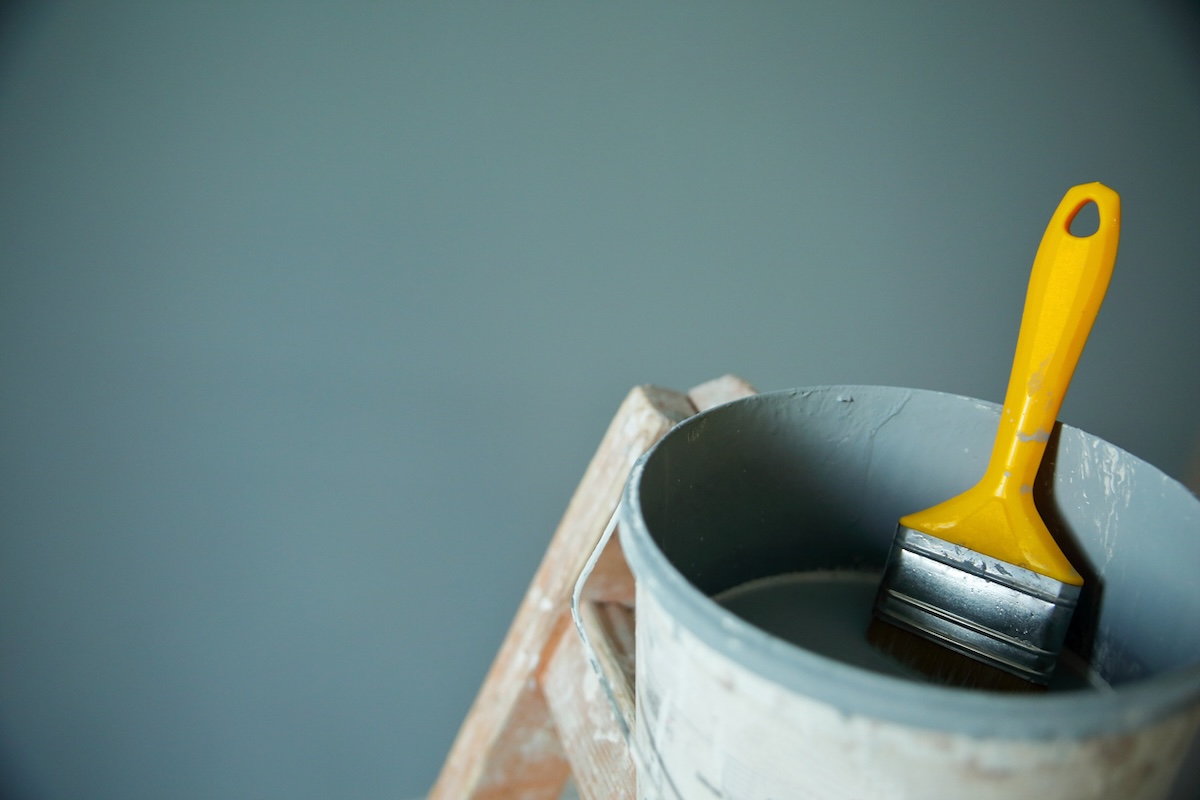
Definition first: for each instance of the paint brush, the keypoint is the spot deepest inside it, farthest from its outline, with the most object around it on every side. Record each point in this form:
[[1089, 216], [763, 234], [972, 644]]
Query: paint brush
[[976, 592]]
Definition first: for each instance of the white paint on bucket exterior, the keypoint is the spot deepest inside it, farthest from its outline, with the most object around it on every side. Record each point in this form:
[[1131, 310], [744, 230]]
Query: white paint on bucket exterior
[[712, 729], [725, 710]]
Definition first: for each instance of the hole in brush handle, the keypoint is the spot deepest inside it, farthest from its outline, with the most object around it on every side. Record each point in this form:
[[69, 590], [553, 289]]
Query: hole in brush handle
[[1085, 221]]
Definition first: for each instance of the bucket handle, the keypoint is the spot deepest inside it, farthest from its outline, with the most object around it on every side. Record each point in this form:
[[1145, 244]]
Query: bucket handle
[[606, 683]]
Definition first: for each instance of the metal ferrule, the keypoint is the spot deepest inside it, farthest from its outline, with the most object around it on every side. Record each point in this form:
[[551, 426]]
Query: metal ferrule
[[1003, 615]]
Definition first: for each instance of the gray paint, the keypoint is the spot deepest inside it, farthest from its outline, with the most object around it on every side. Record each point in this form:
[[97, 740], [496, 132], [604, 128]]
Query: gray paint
[[311, 316], [823, 612], [816, 479]]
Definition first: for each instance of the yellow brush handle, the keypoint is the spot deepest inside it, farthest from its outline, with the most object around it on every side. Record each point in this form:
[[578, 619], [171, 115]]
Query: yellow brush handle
[[1070, 275]]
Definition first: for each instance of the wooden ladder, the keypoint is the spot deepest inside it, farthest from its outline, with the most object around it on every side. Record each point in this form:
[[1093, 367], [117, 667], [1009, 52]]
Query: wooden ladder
[[542, 715]]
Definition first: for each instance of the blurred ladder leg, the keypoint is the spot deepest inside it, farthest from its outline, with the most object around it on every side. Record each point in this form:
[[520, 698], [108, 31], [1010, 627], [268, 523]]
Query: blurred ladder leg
[[541, 714]]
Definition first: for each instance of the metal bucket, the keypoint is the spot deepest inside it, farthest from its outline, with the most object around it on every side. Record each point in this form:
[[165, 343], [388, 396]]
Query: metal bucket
[[812, 482]]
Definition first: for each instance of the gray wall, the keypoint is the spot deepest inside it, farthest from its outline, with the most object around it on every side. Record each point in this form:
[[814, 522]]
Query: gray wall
[[311, 317]]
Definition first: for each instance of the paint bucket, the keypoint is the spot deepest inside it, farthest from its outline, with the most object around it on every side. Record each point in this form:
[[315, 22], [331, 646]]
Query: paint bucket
[[810, 484]]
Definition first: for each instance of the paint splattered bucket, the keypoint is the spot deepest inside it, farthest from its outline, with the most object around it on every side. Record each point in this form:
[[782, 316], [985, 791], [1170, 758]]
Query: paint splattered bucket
[[811, 483]]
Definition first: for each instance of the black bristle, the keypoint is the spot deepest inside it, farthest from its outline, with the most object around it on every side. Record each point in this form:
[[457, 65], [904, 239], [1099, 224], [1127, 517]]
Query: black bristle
[[941, 664]]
